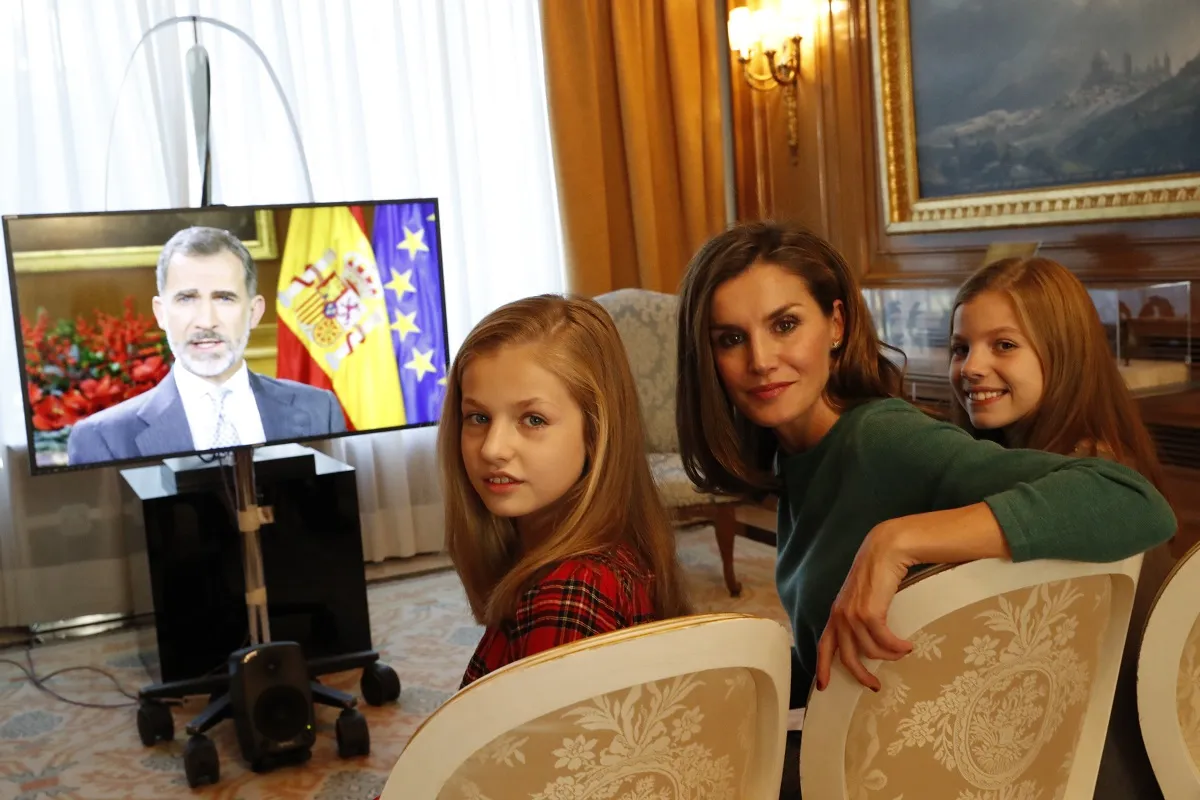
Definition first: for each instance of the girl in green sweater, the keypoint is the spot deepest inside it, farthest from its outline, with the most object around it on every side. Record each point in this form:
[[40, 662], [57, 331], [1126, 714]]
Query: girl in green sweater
[[785, 387]]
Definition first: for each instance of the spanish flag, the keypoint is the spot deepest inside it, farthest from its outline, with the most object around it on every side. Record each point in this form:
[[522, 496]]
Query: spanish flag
[[333, 317]]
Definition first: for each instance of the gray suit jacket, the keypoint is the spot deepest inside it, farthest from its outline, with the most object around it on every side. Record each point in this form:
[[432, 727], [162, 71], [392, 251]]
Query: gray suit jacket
[[154, 423]]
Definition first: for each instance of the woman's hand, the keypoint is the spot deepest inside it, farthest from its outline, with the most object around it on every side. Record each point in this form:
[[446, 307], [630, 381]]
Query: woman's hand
[[857, 626]]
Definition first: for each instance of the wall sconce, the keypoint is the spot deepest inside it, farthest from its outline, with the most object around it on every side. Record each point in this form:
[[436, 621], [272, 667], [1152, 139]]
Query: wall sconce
[[776, 33]]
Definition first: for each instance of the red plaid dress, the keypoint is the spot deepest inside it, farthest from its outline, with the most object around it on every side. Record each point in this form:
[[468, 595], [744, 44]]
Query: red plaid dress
[[578, 598]]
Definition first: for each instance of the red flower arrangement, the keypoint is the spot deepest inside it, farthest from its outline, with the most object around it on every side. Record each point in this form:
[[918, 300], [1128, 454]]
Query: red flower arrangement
[[75, 369]]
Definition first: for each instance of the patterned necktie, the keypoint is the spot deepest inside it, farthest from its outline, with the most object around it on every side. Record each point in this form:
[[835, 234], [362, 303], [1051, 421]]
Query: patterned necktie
[[225, 435]]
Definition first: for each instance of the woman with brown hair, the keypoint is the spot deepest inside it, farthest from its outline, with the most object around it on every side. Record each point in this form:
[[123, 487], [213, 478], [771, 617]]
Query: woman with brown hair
[[553, 520], [785, 387], [1030, 366]]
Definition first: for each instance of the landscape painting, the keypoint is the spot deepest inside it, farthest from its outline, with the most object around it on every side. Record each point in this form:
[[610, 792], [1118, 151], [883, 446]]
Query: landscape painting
[[1023, 107], [1032, 93]]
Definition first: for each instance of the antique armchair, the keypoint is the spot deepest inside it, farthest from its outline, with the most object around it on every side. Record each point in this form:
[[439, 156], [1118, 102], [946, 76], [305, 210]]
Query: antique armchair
[[647, 323], [1168, 685], [689, 708], [1007, 692]]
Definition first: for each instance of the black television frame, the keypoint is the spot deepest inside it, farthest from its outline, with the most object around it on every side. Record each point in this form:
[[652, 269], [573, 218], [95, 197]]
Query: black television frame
[[19, 341]]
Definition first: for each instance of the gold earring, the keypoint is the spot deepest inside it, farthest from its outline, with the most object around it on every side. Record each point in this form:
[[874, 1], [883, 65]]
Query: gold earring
[[836, 345]]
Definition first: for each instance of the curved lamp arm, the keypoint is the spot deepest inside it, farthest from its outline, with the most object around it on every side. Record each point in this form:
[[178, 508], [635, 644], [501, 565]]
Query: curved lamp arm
[[780, 73], [172, 21]]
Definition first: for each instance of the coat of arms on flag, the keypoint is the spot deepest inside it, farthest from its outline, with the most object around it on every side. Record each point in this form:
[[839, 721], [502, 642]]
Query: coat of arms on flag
[[336, 309]]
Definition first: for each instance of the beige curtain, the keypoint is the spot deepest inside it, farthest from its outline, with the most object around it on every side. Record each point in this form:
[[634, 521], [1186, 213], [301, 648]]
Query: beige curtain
[[635, 117]]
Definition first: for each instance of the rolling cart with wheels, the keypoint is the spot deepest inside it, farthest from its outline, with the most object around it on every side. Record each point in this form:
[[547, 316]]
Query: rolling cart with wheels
[[274, 716]]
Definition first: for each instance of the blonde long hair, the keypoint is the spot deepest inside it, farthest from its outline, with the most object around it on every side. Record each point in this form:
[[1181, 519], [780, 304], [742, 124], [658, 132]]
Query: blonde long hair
[[1085, 400], [614, 502]]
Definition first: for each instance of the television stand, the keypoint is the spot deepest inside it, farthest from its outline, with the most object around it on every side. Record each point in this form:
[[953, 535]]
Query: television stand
[[273, 462], [269, 687]]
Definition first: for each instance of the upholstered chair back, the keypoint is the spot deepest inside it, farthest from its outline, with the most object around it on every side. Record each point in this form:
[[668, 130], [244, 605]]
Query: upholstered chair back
[[647, 323], [688, 709], [1168, 687], [1007, 692]]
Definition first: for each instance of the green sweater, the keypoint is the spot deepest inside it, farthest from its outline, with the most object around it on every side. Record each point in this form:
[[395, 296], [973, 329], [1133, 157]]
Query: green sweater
[[886, 459]]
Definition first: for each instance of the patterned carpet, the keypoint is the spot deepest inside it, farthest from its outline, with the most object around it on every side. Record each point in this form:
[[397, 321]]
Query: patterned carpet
[[420, 625]]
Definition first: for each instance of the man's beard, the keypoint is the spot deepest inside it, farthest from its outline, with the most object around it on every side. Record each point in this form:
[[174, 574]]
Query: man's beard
[[209, 367]]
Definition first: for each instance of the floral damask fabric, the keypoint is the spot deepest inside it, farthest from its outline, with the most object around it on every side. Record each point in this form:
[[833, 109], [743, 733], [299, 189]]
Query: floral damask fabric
[[647, 323], [674, 486], [989, 705], [685, 738], [1187, 693]]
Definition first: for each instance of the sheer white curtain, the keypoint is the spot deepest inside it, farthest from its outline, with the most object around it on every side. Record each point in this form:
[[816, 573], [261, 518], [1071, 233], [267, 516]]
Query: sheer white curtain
[[392, 98], [62, 552]]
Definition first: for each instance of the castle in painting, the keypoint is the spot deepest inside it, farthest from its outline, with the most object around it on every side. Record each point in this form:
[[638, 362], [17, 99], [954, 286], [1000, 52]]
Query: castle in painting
[[1103, 74]]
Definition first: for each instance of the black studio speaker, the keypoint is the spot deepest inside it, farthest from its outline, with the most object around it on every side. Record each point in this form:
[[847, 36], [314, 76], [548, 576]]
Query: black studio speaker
[[270, 699]]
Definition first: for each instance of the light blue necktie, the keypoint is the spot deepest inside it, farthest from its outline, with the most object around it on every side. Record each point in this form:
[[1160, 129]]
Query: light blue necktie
[[225, 435]]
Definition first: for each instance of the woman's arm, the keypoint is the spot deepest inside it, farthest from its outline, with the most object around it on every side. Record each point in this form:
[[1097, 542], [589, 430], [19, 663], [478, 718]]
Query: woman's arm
[[1047, 505], [857, 626], [990, 503], [946, 537]]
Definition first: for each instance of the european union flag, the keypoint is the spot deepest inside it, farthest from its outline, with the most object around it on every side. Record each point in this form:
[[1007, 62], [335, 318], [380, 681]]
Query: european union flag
[[406, 253]]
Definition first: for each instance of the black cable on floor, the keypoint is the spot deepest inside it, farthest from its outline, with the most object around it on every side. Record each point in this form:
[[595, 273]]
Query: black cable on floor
[[40, 683]]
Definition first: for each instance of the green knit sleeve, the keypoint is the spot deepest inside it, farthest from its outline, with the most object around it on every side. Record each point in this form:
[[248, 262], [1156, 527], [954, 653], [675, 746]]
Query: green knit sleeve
[[1049, 506]]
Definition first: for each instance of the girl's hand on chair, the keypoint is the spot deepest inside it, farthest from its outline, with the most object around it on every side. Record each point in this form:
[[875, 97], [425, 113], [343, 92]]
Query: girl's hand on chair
[[857, 626]]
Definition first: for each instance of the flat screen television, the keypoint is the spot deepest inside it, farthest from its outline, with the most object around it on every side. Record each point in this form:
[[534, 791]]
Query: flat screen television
[[145, 335]]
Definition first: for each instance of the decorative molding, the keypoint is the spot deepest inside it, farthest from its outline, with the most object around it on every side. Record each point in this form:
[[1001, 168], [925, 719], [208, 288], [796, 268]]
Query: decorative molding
[[262, 247]]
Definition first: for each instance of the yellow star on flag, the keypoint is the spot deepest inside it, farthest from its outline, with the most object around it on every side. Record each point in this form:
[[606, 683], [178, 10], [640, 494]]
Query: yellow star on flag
[[421, 363], [405, 324], [414, 242], [402, 284], [442, 381]]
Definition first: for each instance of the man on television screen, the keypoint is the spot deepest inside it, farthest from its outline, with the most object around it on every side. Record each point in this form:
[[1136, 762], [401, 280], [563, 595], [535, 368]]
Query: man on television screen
[[207, 304]]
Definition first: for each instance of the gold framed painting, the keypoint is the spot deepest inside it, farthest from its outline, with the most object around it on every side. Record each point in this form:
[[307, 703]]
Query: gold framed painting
[[1019, 113], [45, 243]]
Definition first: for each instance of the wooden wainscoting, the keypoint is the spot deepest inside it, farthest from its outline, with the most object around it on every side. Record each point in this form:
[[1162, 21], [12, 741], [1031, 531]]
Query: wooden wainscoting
[[1174, 421], [834, 186]]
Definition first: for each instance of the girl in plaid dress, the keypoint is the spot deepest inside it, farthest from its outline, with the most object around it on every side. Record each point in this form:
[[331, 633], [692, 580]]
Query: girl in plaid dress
[[553, 520]]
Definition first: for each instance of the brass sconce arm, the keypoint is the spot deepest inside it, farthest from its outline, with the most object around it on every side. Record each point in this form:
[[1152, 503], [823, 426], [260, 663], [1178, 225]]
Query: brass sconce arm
[[784, 73], [773, 29]]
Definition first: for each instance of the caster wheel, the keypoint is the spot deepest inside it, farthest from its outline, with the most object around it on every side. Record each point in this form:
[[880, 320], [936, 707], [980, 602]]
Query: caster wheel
[[200, 762], [155, 723], [380, 684], [353, 738]]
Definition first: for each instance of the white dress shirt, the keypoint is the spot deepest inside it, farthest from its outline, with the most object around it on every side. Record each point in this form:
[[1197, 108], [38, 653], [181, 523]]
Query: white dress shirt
[[241, 409]]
